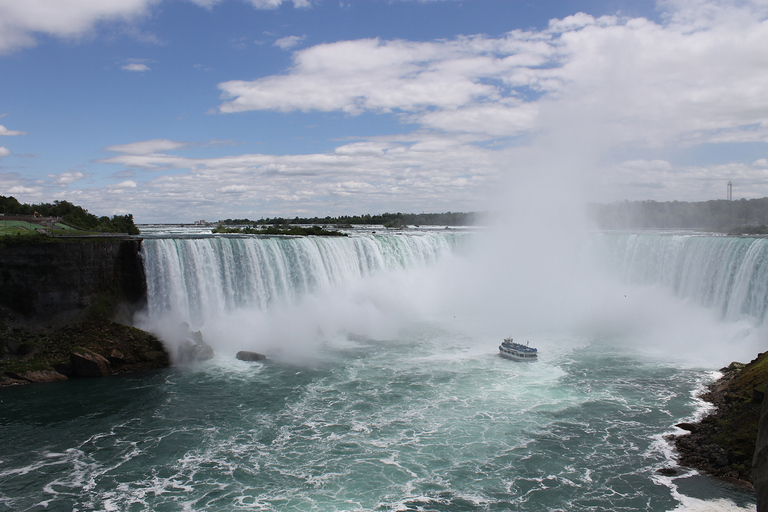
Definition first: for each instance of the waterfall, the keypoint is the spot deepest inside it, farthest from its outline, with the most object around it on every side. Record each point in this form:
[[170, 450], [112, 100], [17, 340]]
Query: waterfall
[[200, 278], [725, 273]]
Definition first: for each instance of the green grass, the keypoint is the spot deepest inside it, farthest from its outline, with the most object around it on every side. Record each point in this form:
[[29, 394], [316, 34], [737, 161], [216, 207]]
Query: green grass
[[21, 227], [13, 227]]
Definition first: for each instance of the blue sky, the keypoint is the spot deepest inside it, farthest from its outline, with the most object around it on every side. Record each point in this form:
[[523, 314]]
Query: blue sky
[[177, 110]]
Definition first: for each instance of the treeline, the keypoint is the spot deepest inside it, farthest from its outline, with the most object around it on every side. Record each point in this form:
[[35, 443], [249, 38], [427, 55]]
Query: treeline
[[742, 216], [385, 219], [275, 230], [73, 215]]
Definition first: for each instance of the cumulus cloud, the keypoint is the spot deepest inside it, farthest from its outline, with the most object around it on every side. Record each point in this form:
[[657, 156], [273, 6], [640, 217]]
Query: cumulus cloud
[[6, 132], [274, 4], [136, 67], [22, 20], [4, 151], [383, 174], [689, 81], [147, 147], [67, 178], [125, 184], [485, 108], [289, 42]]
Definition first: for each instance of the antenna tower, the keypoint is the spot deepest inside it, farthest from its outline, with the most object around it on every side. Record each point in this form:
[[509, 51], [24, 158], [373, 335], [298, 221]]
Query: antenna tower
[[730, 191]]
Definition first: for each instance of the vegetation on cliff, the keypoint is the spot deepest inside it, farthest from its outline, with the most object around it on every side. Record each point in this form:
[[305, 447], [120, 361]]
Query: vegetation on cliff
[[73, 215], [384, 219], [58, 301], [274, 230], [723, 443], [43, 355]]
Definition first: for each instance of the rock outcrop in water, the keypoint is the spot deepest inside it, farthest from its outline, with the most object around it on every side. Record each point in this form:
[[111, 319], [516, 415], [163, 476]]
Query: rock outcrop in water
[[245, 355], [723, 443], [58, 300]]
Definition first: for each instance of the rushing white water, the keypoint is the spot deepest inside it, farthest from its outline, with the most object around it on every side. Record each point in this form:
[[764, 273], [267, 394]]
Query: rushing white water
[[690, 296], [384, 389], [726, 273], [269, 292]]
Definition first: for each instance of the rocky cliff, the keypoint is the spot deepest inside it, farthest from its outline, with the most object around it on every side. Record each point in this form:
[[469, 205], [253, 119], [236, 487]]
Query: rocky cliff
[[722, 444], [58, 304], [46, 281]]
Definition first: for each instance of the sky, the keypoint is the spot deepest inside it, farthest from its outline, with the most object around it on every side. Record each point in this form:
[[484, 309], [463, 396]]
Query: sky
[[183, 110]]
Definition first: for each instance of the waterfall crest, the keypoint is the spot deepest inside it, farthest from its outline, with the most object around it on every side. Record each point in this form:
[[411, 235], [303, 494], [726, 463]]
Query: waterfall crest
[[726, 273], [197, 278]]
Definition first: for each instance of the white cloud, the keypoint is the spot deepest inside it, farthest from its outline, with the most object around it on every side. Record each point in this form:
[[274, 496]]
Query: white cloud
[[6, 132], [274, 4], [356, 177], [4, 151], [136, 67], [23, 190], [147, 147], [539, 109], [67, 178], [233, 189], [368, 74], [22, 20], [289, 42], [632, 80], [125, 184]]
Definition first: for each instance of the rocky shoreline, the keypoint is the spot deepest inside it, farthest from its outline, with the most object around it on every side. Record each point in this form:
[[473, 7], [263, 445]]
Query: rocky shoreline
[[58, 304], [722, 444], [88, 348]]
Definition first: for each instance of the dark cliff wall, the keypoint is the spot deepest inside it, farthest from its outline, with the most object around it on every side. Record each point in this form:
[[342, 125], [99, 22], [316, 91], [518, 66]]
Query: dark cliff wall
[[43, 281], [760, 462]]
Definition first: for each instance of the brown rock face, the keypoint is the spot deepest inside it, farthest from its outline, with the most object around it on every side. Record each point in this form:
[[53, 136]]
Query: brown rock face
[[43, 376], [89, 364]]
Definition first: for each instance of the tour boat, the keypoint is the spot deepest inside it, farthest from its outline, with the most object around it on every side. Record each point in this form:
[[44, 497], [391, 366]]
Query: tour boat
[[517, 351]]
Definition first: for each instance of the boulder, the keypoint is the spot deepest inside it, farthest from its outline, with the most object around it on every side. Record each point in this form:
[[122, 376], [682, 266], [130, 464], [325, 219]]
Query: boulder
[[43, 376], [86, 363], [245, 355], [189, 352]]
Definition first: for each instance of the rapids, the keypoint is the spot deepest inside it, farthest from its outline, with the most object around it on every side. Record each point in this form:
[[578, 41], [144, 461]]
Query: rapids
[[384, 389]]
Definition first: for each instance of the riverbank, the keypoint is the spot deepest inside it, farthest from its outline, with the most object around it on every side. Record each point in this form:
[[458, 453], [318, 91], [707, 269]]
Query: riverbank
[[86, 348], [59, 300], [722, 444]]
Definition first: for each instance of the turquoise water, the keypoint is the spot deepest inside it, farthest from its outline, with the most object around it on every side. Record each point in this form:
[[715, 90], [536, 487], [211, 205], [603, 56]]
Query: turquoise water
[[384, 390], [433, 420]]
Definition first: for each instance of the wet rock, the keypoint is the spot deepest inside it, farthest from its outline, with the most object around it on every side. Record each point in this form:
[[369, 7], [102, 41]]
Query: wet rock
[[43, 376], [117, 358], [86, 363], [65, 368], [245, 355], [667, 471], [189, 352]]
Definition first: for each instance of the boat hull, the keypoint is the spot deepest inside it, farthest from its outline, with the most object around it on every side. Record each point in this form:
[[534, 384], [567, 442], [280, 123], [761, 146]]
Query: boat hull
[[517, 352]]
